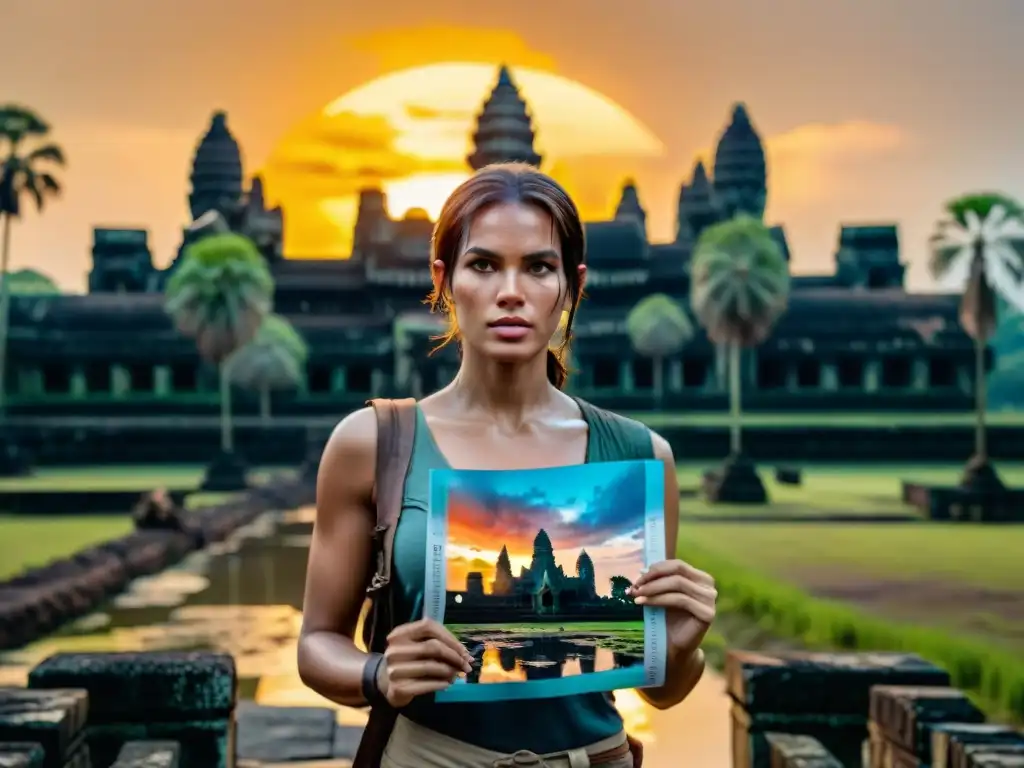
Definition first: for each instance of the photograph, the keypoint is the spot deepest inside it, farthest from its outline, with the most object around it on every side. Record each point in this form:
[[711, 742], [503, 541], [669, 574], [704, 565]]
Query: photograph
[[530, 570]]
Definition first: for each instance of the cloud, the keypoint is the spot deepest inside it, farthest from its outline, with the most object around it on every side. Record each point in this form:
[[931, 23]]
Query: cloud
[[421, 112], [611, 511], [338, 155]]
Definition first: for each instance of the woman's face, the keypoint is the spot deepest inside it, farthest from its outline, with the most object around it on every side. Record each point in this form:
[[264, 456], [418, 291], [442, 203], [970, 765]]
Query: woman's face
[[508, 284]]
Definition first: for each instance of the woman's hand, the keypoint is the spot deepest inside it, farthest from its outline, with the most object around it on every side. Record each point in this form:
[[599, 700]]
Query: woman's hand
[[688, 596], [421, 657]]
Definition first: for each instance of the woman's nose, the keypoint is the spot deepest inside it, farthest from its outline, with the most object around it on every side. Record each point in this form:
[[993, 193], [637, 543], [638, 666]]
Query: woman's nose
[[511, 289]]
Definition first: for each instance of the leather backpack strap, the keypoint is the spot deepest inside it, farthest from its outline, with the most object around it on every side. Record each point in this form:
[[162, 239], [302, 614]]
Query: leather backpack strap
[[396, 433]]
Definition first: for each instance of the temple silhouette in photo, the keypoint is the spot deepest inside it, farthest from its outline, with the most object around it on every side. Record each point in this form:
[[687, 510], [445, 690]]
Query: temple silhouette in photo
[[542, 591]]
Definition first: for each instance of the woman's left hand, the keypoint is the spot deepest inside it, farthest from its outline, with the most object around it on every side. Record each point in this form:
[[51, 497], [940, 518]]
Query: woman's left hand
[[688, 596]]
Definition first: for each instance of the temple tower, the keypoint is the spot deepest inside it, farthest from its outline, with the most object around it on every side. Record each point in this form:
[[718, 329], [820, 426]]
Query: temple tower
[[216, 170], [629, 208], [585, 573], [504, 131], [740, 174], [698, 207]]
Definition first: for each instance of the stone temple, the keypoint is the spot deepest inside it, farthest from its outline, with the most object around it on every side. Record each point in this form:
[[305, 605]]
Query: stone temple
[[852, 339], [543, 586]]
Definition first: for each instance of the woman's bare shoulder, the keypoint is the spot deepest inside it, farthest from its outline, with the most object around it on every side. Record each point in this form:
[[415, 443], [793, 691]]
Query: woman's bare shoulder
[[349, 459]]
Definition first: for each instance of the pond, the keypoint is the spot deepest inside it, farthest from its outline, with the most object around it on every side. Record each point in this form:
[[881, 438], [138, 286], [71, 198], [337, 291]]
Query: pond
[[244, 597]]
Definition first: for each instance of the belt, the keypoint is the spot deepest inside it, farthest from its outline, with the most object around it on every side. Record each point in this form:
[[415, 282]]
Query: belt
[[578, 758]]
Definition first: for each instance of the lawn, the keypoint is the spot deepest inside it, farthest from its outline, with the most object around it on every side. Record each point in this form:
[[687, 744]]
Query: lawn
[[115, 478], [26, 542], [832, 488], [967, 580], [663, 419]]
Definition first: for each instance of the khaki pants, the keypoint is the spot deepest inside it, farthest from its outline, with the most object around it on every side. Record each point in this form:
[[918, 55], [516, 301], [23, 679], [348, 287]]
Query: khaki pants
[[413, 746]]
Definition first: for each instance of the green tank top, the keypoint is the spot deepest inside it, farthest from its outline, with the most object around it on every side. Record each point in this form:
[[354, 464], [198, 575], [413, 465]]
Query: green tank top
[[542, 725]]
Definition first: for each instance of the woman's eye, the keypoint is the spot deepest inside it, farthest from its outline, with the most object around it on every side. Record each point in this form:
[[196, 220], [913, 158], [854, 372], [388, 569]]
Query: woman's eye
[[541, 268], [482, 266]]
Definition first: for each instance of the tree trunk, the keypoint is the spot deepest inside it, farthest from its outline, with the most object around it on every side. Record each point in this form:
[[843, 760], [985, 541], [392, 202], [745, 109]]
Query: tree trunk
[[226, 442], [659, 383], [5, 310], [980, 399], [735, 391], [265, 404]]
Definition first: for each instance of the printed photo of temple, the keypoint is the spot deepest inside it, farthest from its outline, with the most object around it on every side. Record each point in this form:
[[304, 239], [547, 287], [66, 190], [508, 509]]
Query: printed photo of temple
[[541, 589], [851, 339]]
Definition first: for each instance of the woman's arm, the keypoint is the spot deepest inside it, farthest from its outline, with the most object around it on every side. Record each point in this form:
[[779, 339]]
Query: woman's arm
[[339, 562], [685, 665]]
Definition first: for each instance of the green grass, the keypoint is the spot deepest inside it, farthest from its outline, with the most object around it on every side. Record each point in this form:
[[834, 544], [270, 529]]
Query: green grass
[[831, 488], [26, 542], [114, 478], [577, 626], [664, 419]]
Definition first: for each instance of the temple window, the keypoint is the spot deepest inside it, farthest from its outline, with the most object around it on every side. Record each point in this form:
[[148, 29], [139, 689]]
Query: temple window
[[643, 373], [359, 378], [695, 373], [808, 374], [56, 379], [941, 372], [771, 373], [850, 373], [318, 378], [896, 372], [184, 378], [97, 377], [142, 377], [605, 373]]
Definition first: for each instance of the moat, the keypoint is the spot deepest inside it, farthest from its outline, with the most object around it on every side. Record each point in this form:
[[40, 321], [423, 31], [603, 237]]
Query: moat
[[244, 597]]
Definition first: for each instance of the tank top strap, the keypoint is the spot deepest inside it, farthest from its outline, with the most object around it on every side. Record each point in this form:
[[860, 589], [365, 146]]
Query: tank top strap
[[614, 437]]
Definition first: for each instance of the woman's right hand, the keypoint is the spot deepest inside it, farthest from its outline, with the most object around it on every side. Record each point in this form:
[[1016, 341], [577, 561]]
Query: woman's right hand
[[421, 657]]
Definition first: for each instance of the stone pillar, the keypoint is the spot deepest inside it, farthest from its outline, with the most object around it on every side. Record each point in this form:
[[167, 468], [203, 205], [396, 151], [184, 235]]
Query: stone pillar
[[965, 378], [78, 384], [120, 381], [338, 379], [378, 381], [829, 377], [792, 377], [674, 374], [626, 375], [162, 381], [872, 375], [919, 374]]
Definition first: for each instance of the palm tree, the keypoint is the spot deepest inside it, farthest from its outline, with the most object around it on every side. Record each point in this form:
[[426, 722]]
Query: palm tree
[[28, 162], [274, 359], [979, 248], [739, 283], [658, 328], [219, 295]]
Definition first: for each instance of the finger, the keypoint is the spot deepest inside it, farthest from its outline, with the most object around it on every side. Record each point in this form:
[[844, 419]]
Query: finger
[[671, 567], [412, 688], [701, 611], [677, 583], [421, 670], [432, 649], [428, 629]]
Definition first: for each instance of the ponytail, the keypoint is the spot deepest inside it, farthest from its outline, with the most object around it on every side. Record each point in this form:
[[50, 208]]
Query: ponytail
[[557, 373]]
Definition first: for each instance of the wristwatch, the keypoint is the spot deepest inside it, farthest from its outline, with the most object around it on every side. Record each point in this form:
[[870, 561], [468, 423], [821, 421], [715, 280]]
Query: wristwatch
[[371, 680]]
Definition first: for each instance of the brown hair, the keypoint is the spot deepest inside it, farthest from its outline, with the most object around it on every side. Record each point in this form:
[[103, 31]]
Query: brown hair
[[509, 183]]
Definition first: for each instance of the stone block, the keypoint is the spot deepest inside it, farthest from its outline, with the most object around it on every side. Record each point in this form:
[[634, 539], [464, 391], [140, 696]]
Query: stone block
[[53, 719], [821, 683], [882, 752], [284, 734], [346, 741], [148, 754], [202, 743], [21, 754], [796, 751], [1000, 756], [145, 687], [841, 735], [903, 714], [950, 739]]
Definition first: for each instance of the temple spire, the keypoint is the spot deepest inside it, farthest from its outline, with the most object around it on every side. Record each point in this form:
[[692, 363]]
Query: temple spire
[[504, 131]]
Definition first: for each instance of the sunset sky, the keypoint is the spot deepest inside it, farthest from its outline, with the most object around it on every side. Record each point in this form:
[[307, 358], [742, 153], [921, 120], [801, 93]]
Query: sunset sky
[[872, 110], [599, 508]]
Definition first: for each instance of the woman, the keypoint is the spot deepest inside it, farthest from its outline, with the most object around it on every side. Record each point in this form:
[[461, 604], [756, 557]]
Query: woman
[[507, 262]]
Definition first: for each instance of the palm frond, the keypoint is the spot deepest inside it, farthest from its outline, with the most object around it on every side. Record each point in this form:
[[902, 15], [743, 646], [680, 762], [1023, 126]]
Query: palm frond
[[49, 152]]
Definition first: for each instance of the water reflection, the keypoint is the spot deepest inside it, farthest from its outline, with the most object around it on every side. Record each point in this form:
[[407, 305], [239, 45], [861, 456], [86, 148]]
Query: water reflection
[[244, 596], [520, 656]]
